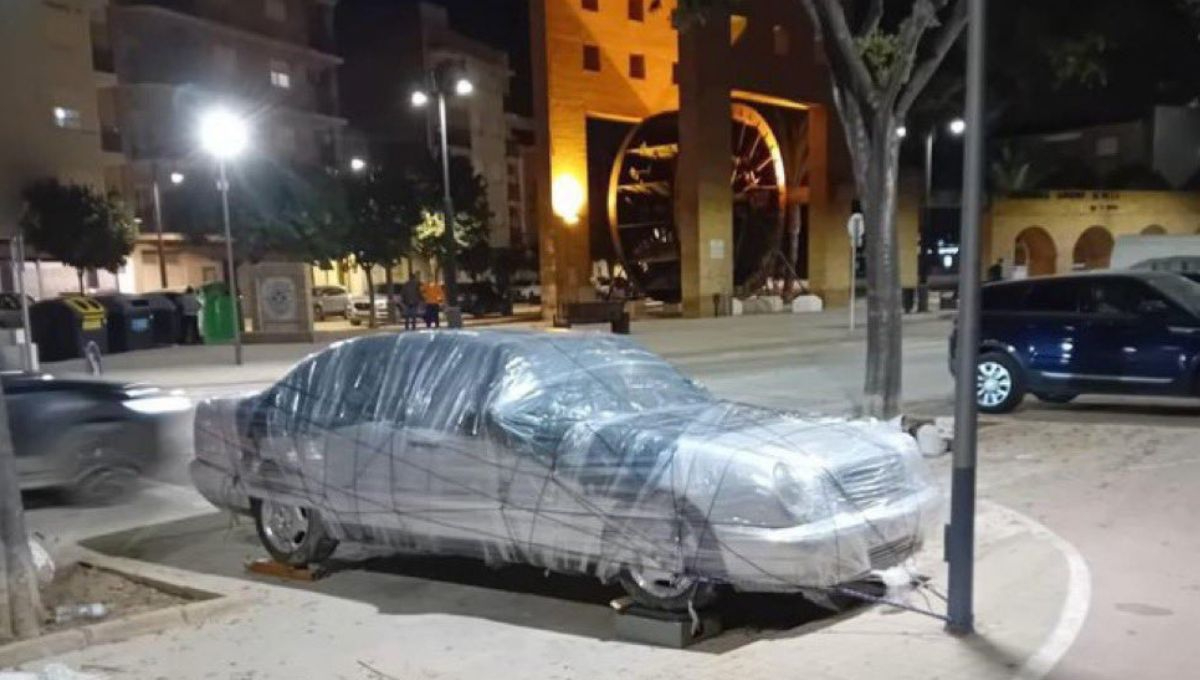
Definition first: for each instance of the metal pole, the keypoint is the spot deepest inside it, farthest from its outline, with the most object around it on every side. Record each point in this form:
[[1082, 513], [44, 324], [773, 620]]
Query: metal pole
[[233, 287], [853, 279], [960, 548], [158, 224], [924, 242], [453, 316], [27, 348]]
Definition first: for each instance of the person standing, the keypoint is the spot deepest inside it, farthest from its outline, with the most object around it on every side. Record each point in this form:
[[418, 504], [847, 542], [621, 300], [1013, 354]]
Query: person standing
[[996, 271], [412, 300]]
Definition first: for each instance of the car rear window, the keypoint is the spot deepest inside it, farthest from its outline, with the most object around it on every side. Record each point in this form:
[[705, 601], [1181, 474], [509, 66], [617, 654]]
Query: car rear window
[[1054, 296], [1009, 297]]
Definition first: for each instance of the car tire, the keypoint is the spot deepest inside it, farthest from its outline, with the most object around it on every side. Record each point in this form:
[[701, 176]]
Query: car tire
[[1000, 383], [676, 593], [292, 535], [1056, 397], [103, 486]]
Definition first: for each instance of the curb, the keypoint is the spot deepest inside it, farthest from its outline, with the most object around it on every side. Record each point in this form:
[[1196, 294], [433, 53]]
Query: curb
[[124, 628]]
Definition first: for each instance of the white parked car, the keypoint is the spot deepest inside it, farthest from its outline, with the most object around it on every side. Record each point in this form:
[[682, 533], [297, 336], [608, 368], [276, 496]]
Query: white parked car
[[330, 301], [360, 305]]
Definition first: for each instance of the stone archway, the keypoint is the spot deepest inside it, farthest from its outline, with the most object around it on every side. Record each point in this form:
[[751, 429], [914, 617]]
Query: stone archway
[[1154, 230], [1094, 249], [1034, 249]]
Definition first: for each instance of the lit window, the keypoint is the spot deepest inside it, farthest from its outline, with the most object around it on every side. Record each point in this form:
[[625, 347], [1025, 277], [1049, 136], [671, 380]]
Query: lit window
[[281, 76], [591, 5], [637, 10], [782, 42], [275, 10], [637, 66], [591, 58], [65, 117]]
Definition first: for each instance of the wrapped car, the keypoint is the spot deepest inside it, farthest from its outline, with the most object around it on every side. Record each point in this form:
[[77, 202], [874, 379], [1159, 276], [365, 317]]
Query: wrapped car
[[575, 453]]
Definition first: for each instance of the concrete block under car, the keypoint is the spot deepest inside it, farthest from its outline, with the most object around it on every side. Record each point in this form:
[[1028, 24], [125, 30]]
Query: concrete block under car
[[664, 629]]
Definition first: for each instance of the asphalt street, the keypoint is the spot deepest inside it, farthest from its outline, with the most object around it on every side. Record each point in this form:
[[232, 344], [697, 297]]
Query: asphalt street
[[1114, 477]]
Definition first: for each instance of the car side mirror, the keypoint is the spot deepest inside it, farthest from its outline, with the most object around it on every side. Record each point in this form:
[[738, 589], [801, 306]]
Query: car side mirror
[[1152, 308]]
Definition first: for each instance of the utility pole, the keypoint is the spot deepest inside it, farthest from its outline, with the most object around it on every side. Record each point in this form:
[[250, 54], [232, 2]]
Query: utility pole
[[960, 548]]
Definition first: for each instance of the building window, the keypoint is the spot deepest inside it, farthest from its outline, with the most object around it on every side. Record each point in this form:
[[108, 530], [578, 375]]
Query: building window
[[591, 5], [781, 39], [66, 117], [591, 58], [281, 76], [275, 10], [637, 66], [637, 10]]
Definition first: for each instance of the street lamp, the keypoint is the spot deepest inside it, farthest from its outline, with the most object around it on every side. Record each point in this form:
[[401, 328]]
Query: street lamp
[[176, 179], [357, 164], [957, 127], [443, 78], [225, 136]]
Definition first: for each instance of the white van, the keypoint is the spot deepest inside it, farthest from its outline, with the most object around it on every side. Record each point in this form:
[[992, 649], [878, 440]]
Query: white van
[[1161, 253]]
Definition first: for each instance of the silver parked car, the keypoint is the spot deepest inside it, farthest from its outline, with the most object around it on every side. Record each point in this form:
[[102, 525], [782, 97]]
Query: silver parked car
[[576, 453], [330, 301]]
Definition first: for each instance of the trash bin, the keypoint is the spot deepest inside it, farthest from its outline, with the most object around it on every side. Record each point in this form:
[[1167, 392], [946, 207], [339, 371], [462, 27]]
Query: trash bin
[[130, 323], [63, 327], [217, 313], [909, 296], [166, 319]]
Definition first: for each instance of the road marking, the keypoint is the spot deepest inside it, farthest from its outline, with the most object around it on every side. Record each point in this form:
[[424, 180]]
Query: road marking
[[1075, 606]]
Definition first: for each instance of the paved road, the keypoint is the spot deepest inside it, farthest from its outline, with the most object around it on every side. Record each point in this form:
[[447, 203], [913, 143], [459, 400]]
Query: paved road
[[1117, 478]]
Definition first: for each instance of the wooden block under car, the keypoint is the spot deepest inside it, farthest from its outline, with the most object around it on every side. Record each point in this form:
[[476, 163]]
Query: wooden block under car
[[269, 567], [636, 623]]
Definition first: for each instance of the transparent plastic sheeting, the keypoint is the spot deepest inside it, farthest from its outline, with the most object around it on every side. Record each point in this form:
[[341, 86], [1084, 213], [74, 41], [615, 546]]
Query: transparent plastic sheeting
[[572, 452]]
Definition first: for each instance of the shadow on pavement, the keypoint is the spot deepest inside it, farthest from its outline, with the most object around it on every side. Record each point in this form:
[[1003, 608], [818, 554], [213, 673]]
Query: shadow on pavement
[[422, 584], [1114, 410]]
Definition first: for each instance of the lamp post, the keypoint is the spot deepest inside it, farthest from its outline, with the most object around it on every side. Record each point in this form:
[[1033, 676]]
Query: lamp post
[[956, 127], [224, 136], [443, 78], [176, 179]]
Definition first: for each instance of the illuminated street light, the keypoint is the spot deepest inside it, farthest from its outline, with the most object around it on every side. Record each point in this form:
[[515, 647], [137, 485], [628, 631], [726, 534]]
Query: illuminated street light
[[357, 164], [439, 81], [901, 132], [225, 136], [177, 178], [957, 127]]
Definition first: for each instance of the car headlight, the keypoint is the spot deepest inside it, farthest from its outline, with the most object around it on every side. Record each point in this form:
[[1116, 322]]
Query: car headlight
[[803, 497], [159, 405]]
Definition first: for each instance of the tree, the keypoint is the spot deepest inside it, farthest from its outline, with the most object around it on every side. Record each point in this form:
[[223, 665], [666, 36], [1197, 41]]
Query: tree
[[472, 214], [383, 207], [20, 602], [880, 60], [78, 225]]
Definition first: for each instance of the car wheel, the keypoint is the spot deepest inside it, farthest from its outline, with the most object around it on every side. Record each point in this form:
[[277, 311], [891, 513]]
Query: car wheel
[[1055, 397], [318, 313], [999, 384], [292, 535], [104, 486], [656, 588]]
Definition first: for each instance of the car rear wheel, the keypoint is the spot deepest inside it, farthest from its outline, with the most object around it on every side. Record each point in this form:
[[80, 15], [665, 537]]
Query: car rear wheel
[[292, 535], [999, 384], [103, 486]]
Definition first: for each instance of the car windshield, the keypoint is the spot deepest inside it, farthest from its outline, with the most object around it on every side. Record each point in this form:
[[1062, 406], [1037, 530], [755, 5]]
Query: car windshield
[[1181, 289]]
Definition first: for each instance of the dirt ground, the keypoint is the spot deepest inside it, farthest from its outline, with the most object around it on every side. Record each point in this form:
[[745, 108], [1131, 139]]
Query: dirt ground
[[81, 585]]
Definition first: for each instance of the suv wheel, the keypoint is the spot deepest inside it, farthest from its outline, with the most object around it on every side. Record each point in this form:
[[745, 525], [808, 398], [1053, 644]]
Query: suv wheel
[[999, 383]]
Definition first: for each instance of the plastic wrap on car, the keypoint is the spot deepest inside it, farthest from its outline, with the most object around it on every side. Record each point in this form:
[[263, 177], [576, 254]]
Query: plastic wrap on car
[[572, 452]]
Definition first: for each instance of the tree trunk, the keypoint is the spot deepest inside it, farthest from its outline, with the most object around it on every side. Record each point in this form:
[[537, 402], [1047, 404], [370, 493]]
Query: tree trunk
[[79, 275], [881, 393], [20, 602], [388, 278], [371, 323]]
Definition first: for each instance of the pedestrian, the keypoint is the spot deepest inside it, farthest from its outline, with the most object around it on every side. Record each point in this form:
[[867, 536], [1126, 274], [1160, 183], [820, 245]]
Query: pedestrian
[[412, 300], [996, 271]]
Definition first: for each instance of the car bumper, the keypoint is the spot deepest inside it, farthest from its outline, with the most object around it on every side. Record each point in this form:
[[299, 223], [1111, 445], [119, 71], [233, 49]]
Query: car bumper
[[836, 550]]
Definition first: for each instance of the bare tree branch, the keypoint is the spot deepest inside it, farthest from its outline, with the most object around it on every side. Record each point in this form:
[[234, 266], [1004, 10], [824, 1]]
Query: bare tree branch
[[873, 18], [943, 40], [829, 19], [923, 16]]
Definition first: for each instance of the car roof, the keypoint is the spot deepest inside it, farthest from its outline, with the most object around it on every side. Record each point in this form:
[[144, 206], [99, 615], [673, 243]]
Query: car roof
[[1144, 275]]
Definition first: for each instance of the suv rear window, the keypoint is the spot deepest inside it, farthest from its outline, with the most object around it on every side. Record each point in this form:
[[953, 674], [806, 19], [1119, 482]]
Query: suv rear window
[[1008, 297]]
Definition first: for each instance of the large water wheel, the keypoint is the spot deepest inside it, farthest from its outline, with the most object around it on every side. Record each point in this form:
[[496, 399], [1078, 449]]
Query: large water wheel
[[641, 200]]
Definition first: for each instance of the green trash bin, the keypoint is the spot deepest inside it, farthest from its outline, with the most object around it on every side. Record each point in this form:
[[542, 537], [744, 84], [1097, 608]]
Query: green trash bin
[[217, 313]]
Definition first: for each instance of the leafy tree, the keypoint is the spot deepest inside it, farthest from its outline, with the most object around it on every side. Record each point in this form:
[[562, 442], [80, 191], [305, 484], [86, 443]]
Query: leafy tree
[[383, 209], [472, 213], [881, 57], [78, 225]]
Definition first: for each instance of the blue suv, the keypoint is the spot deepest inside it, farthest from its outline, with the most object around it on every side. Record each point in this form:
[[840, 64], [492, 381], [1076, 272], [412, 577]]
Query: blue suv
[[1111, 332]]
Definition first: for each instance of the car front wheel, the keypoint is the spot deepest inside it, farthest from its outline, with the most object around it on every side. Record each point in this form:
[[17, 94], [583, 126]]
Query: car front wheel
[[292, 535], [999, 384]]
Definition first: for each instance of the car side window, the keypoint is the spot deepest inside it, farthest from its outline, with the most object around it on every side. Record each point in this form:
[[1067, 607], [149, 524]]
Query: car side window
[[1008, 297], [1112, 297], [1060, 297]]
